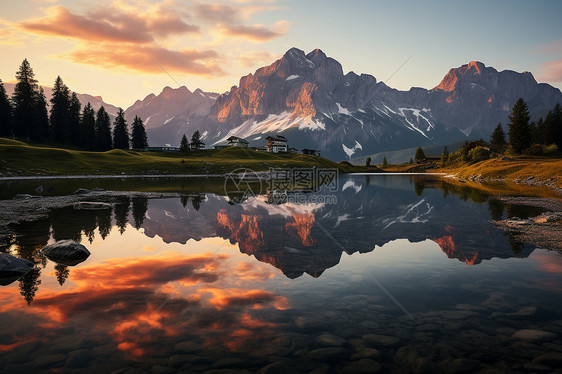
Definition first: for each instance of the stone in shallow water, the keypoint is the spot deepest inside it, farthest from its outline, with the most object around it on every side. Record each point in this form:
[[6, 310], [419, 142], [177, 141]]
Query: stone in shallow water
[[12, 268], [327, 354], [92, 205], [381, 340], [363, 366], [330, 340], [459, 365], [553, 359], [535, 336], [365, 353], [277, 368], [66, 252]]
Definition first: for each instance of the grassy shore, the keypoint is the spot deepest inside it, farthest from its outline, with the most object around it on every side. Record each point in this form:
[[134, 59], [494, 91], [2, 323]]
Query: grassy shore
[[524, 170], [21, 159]]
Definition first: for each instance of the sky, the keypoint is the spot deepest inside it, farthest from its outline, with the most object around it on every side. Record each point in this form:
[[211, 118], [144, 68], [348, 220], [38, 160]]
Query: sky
[[124, 50]]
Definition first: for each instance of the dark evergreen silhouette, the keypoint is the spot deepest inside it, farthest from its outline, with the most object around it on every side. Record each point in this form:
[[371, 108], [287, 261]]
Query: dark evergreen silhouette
[[196, 202], [60, 113], [384, 162], [196, 139], [498, 137], [74, 120], [5, 113], [122, 214], [368, 161], [61, 272], [519, 129], [88, 128], [139, 139], [445, 156], [103, 130], [184, 145], [103, 219], [140, 206], [120, 131], [420, 155], [27, 120], [41, 129], [557, 126]]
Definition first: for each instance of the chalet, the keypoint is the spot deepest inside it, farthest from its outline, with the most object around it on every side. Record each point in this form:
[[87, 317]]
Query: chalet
[[313, 152], [162, 149], [221, 145], [276, 144], [235, 141], [199, 145], [293, 150]]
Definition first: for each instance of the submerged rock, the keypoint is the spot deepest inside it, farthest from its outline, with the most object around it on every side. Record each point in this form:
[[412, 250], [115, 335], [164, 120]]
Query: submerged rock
[[23, 196], [534, 336], [91, 205], [12, 268], [82, 191], [44, 189], [66, 252]]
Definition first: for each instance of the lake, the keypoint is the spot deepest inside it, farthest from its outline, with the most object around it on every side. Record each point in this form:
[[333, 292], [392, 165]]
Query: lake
[[381, 274]]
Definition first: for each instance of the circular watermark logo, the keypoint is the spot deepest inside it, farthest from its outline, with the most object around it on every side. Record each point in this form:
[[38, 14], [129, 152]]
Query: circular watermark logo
[[242, 185]]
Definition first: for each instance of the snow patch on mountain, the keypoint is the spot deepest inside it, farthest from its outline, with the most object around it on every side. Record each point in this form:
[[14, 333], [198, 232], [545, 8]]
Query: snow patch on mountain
[[291, 77], [343, 110], [350, 151]]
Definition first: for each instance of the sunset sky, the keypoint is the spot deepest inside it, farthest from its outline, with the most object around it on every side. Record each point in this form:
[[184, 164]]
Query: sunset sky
[[124, 50]]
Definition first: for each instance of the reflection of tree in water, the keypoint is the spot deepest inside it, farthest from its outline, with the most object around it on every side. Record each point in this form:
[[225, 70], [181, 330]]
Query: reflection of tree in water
[[121, 212], [140, 206], [103, 219], [61, 272], [29, 239], [196, 201], [419, 186], [496, 209], [66, 224], [184, 200]]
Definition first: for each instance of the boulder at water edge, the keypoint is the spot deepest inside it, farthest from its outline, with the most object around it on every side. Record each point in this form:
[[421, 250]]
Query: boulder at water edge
[[66, 252], [12, 268]]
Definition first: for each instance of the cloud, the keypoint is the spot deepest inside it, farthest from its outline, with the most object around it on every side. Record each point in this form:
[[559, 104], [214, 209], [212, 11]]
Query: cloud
[[149, 59], [551, 71], [250, 59], [229, 21], [107, 25]]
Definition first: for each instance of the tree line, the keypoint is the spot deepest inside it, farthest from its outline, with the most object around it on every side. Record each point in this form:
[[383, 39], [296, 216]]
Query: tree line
[[543, 138], [25, 115]]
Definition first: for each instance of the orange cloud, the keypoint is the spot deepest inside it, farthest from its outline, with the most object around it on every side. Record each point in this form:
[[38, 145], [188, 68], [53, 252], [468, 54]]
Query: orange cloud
[[149, 59], [228, 20], [251, 59], [551, 71], [108, 25]]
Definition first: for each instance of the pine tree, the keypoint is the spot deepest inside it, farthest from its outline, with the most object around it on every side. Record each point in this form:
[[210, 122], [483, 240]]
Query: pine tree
[[139, 139], [60, 112], [539, 136], [24, 99], [74, 120], [103, 130], [445, 156], [88, 128], [5, 113], [519, 130], [196, 139], [384, 162], [498, 137], [120, 131], [184, 146], [411, 161], [368, 161], [40, 129], [420, 155], [557, 126]]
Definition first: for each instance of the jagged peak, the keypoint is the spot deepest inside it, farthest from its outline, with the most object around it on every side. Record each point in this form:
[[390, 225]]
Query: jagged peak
[[317, 53], [294, 53]]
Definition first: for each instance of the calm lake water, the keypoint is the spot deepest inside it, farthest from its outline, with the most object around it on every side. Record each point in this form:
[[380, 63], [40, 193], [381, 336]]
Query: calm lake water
[[396, 274]]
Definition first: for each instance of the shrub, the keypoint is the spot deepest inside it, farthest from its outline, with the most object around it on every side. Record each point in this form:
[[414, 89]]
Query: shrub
[[535, 150], [479, 154], [550, 150]]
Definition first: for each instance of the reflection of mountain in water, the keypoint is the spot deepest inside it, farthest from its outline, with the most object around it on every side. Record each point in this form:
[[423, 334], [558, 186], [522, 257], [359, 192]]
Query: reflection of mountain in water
[[369, 212]]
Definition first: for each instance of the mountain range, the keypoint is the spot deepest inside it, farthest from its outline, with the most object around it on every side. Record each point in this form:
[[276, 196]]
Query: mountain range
[[308, 99]]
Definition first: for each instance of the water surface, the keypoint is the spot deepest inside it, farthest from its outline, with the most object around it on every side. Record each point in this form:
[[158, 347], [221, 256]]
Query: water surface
[[397, 274]]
